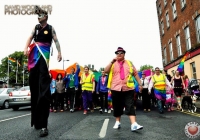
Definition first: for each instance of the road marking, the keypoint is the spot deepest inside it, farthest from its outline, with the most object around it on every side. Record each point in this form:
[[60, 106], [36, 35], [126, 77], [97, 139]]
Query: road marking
[[102, 133], [189, 113], [15, 117]]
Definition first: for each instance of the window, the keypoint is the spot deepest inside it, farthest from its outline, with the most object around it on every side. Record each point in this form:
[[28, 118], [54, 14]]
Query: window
[[167, 19], [183, 3], [178, 42], [193, 67], [171, 51], [187, 38], [174, 10], [162, 27], [165, 56], [198, 28], [165, 2], [160, 9]]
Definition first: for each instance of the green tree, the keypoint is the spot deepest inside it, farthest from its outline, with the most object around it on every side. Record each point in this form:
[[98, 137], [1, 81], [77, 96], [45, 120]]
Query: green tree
[[145, 67], [18, 56]]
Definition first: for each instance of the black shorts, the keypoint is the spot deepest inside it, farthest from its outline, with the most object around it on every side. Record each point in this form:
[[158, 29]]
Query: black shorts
[[121, 99], [178, 91]]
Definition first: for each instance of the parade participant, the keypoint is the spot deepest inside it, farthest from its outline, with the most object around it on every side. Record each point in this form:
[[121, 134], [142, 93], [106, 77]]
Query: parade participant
[[186, 82], [38, 62], [121, 85], [159, 81], [179, 85], [72, 83], [60, 93], [88, 87], [102, 90], [53, 89], [146, 100]]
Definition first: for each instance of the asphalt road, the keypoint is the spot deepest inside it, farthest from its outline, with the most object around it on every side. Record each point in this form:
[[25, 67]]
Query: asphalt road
[[15, 125]]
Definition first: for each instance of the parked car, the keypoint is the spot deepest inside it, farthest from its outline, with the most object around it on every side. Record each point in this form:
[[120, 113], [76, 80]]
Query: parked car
[[20, 98], [4, 97]]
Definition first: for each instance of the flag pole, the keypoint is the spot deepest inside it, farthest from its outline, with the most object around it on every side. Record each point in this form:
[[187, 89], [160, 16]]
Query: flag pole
[[23, 75], [16, 71], [8, 72]]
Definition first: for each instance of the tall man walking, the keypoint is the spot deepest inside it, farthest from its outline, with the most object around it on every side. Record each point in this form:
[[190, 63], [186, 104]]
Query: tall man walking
[[121, 83], [39, 79]]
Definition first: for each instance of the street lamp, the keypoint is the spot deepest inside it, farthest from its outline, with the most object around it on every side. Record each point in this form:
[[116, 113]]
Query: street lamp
[[63, 63]]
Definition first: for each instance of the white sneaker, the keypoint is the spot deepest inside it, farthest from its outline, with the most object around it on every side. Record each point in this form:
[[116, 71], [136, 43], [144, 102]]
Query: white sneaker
[[71, 110], [109, 111], [105, 111], [100, 111], [117, 125], [136, 126]]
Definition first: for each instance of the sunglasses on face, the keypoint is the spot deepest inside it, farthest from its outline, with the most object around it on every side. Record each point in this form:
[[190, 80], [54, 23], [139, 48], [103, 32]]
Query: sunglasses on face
[[119, 52], [41, 15], [157, 70]]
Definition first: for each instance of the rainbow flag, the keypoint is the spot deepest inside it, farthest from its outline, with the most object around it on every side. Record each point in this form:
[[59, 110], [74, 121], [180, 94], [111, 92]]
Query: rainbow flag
[[34, 53], [181, 65], [109, 100], [11, 60], [136, 84], [160, 91]]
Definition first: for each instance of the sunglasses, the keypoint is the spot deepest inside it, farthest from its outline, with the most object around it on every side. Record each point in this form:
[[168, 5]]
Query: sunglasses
[[41, 15], [119, 52], [157, 70]]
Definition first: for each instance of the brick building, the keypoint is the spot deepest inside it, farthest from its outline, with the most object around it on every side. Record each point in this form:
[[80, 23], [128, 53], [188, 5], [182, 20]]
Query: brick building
[[179, 22]]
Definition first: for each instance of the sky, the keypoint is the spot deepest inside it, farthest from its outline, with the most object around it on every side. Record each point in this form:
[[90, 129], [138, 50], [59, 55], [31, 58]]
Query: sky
[[89, 31]]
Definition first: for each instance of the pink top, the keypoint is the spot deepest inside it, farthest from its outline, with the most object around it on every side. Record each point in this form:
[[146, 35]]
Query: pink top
[[117, 84], [186, 82]]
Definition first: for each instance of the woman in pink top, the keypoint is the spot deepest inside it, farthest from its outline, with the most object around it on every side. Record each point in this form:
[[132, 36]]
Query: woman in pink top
[[186, 81], [122, 95]]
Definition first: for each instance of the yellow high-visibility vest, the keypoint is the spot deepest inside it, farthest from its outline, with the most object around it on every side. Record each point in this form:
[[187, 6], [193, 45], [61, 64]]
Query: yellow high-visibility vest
[[158, 80], [88, 84], [130, 82]]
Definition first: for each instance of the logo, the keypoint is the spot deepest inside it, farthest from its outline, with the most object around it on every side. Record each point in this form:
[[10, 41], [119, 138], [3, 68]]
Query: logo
[[192, 130], [45, 32], [25, 9]]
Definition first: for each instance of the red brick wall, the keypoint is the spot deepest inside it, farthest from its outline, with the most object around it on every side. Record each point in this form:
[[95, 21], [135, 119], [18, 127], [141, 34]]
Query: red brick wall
[[175, 25]]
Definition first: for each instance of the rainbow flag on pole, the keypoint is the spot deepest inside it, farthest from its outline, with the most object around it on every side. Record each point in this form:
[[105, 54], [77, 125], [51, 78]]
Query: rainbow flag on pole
[[11, 59], [181, 65]]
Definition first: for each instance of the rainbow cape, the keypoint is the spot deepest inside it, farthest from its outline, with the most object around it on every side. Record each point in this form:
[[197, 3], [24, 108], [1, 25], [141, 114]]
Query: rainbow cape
[[35, 54], [160, 91], [181, 65], [109, 100], [136, 84]]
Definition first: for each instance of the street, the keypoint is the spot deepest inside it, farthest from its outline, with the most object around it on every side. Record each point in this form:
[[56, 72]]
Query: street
[[15, 125]]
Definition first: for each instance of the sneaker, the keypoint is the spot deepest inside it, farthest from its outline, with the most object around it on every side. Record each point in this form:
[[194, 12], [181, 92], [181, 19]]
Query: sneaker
[[85, 112], [43, 132], [109, 111], [100, 111], [149, 110], [117, 125], [105, 110], [71, 110], [92, 110], [136, 126], [112, 109]]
